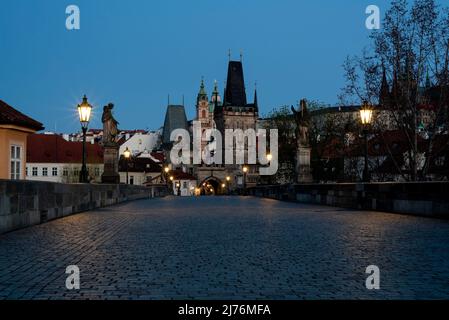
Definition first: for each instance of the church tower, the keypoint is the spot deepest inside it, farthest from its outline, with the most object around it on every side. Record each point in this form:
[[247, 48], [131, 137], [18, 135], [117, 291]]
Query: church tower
[[202, 107], [235, 112]]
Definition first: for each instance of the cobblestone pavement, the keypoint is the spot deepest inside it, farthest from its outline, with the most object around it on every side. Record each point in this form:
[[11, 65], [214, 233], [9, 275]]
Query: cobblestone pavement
[[227, 248]]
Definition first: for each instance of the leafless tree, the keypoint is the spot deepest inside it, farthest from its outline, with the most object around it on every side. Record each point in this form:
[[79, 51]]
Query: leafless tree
[[406, 67]]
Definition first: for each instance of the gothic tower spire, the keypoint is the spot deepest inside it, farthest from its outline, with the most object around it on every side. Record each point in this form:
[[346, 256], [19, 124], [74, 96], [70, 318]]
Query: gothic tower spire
[[384, 89], [256, 104]]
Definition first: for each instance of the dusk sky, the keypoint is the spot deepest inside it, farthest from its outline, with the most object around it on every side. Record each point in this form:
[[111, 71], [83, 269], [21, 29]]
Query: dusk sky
[[134, 53]]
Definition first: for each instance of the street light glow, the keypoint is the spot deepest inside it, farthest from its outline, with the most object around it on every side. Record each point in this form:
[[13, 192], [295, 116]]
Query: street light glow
[[127, 153], [84, 112], [366, 114]]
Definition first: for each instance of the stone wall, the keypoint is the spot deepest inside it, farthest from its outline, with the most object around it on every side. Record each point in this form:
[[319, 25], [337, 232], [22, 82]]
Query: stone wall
[[26, 203], [416, 198]]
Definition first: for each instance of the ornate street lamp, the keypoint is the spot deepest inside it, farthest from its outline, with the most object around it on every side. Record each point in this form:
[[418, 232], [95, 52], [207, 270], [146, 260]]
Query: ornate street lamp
[[366, 117], [166, 171], [84, 111], [127, 155], [269, 157]]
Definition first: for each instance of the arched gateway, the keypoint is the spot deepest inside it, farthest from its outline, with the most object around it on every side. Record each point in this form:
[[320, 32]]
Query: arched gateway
[[211, 186]]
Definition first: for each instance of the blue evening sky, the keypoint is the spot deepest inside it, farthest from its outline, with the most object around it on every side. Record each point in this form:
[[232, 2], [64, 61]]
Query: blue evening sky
[[134, 53]]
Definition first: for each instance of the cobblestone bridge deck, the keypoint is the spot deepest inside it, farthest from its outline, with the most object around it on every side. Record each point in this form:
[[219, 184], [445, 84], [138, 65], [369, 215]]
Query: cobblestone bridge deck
[[227, 248]]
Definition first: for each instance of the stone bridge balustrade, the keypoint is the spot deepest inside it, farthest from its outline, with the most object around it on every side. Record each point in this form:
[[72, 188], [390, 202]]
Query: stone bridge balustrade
[[416, 198], [26, 203]]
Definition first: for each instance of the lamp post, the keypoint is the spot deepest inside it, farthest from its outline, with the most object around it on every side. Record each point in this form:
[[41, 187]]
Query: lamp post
[[366, 116], [171, 184], [178, 188], [228, 180], [245, 171], [84, 111], [127, 155], [165, 172]]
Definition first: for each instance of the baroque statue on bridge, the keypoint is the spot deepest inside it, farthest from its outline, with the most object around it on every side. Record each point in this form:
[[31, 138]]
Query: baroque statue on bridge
[[303, 150], [110, 130], [110, 146], [302, 120]]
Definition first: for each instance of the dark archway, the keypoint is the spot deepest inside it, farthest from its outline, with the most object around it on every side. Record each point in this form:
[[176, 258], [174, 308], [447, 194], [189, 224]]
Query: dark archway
[[211, 186]]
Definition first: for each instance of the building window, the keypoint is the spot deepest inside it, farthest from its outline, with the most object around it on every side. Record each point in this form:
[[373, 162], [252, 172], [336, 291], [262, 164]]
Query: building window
[[34, 172], [97, 172], [54, 172], [131, 180], [75, 172], [26, 171], [65, 172], [16, 163], [44, 172]]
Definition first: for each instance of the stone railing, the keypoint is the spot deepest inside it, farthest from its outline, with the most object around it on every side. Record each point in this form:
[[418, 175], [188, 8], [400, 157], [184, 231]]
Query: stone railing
[[26, 203], [416, 198]]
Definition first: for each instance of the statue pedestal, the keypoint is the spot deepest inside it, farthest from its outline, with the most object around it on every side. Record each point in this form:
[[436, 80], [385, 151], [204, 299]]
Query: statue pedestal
[[110, 160], [303, 171]]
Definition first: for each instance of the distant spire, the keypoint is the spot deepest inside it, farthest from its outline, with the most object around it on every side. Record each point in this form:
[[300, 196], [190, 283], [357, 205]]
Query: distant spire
[[202, 94], [241, 55], [384, 88], [215, 94], [256, 105], [215, 85], [202, 87], [229, 54]]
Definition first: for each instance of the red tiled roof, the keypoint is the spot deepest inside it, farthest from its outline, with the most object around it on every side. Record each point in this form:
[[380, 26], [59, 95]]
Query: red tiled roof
[[44, 148], [9, 115], [158, 156]]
